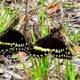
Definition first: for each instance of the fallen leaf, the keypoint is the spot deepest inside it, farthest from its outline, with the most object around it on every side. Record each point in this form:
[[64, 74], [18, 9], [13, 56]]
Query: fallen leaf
[[53, 7]]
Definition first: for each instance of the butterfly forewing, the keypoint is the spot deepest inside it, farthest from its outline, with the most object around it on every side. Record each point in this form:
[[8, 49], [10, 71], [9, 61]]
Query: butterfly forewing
[[13, 36], [50, 42]]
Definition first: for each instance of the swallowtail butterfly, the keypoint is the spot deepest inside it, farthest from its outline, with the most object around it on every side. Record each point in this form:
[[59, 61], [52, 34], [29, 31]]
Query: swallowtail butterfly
[[13, 41]]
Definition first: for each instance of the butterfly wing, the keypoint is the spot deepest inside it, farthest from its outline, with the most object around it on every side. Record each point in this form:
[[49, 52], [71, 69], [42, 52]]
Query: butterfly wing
[[52, 45], [11, 42], [12, 36]]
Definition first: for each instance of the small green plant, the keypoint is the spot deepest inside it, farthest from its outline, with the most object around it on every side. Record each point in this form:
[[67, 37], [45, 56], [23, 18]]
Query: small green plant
[[7, 15], [74, 36], [67, 4], [40, 68], [70, 71]]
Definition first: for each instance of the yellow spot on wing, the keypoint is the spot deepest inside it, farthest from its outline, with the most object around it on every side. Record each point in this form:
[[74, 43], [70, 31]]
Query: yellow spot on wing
[[57, 50], [52, 50]]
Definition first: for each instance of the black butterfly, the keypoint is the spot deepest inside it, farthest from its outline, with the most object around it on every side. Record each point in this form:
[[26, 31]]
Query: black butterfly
[[51, 44], [13, 41]]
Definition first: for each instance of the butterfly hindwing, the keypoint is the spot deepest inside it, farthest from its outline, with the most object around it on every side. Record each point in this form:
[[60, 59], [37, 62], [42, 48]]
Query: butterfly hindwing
[[65, 54], [6, 48]]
